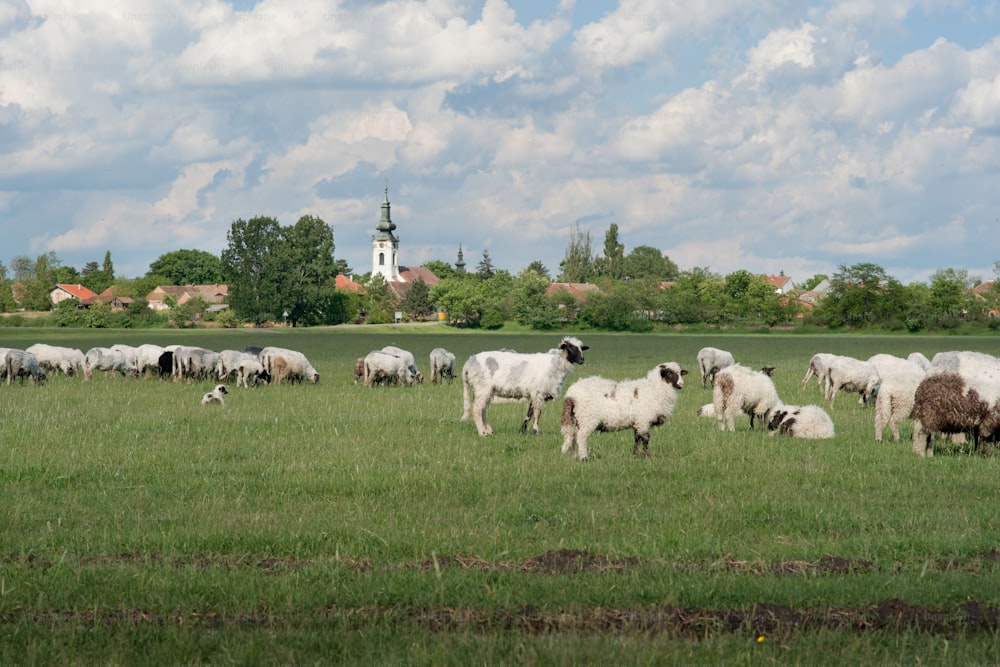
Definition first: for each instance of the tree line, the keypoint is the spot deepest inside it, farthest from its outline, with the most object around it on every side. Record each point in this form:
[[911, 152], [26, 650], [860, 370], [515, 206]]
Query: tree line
[[279, 273]]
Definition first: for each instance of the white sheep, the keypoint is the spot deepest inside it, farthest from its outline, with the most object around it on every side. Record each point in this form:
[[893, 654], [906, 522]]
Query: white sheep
[[381, 367], [250, 371], [850, 374], [56, 359], [21, 364], [805, 421], [711, 360], [919, 359], [536, 377], [108, 360], [408, 359], [736, 389], [442, 365], [283, 364], [817, 367], [215, 396], [596, 404], [894, 402], [888, 364]]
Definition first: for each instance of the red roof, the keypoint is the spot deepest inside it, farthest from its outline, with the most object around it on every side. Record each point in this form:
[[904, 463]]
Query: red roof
[[345, 283], [578, 291], [78, 291], [778, 281]]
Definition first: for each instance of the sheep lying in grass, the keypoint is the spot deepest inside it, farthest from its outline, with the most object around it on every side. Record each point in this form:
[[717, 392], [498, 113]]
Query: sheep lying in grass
[[215, 396], [536, 377], [806, 421], [597, 404], [740, 389], [711, 360]]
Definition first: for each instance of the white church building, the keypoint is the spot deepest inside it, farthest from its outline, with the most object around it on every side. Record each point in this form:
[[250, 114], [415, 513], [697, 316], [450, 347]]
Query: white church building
[[385, 256]]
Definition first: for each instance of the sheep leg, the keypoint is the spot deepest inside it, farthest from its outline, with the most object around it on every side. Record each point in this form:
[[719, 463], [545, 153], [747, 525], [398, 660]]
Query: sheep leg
[[527, 418], [479, 416], [643, 439], [921, 441]]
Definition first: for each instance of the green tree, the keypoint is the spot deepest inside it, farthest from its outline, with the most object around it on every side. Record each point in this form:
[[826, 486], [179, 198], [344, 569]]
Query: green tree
[[379, 303], [697, 296], [648, 263], [485, 270], [309, 265], [417, 302], [577, 266], [949, 300], [253, 265], [864, 295], [621, 309], [7, 303], [441, 269], [22, 268], [540, 269], [187, 267], [529, 304], [611, 264]]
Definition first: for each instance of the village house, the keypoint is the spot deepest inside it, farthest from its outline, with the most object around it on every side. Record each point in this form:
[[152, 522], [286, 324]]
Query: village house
[[162, 296], [62, 291]]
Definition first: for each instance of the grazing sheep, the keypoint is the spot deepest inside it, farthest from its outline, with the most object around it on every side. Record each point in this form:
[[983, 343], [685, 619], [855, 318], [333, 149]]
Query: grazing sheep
[[737, 388], [359, 369], [850, 374], [108, 360], [711, 360], [408, 359], [227, 365], [806, 421], [165, 364], [147, 359], [888, 364], [382, 368], [250, 371], [442, 365], [974, 365], [950, 403], [536, 377], [193, 363], [817, 367], [894, 401], [919, 359], [296, 368], [596, 404], [21, 364], [55, 359], [216, 395]]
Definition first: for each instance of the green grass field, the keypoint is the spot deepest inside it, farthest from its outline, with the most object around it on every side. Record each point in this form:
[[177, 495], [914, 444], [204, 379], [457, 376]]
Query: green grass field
[[334, 524]]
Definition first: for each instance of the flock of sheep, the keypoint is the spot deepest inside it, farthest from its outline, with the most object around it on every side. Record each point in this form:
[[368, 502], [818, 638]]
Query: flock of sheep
[[955, 393]]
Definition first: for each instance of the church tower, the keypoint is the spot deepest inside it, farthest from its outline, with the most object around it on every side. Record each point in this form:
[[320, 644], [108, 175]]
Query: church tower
[[385, 245]]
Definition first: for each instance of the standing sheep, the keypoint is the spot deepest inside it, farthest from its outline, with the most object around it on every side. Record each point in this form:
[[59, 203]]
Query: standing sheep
[[711, 360], [408, 359], [806, 421], [850, 374], [295, 366], [55, 359], [818, 364], [442, 365], [381, 367], [537, 377], [596, 404], [894, 402], [22, 364], [950, 403], [737, 388]]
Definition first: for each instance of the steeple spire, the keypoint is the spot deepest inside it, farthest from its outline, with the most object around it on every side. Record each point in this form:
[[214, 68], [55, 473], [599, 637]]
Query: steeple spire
[[385, 225], [460, 262]]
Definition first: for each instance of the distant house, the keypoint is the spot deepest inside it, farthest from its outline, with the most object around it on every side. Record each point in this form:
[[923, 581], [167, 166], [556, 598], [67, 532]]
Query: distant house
[[579, 291], [347, 284], [409, 275], [181, 294], [111, 296], [61, 292], [781, 284]]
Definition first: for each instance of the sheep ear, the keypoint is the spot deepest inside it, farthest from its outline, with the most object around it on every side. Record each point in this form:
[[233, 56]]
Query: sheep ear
[[683, 372], [585, 347]]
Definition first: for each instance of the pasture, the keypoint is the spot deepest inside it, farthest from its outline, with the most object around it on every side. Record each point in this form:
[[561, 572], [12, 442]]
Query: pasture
[[334, 524]]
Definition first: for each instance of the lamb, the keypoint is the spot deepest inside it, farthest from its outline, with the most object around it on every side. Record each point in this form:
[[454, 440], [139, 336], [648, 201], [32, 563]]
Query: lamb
[[711, 360], [408, 359], [537, 377], [108, 360], [806, 421], [55, 359], [215, 396], [296, 368], [21, 364], [442, 365], [850, 374], [596, 404], [737, 388], [382, 367], [948, 402], [817, 367], [894, 402]]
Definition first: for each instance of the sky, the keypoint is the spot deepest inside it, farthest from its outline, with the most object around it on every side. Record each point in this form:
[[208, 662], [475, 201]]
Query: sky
[[777, 137]]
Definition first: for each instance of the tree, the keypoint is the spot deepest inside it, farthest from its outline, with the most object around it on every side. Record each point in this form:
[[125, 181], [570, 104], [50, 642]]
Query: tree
[[7, 303], [417, 302], [441, 269], [648, 263], [611, 264], [187, 267], [22, 268], [379, 304], [949, 300], [308, 253], [540, 269], [577, 266], [529, 305], [485, 270], [252, 264], [864, 295]]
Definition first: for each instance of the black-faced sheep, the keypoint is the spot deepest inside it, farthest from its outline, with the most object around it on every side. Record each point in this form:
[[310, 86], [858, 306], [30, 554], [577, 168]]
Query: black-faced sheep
[[536, 377], [596, 404], [442, 365], [215, 396], [951, 403], [21, 364], [737, 389], [805, 421], [711, 360]]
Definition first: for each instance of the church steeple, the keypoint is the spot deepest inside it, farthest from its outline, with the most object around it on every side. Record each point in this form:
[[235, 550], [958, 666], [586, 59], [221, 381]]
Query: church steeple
[[385, 245], [460, 262]]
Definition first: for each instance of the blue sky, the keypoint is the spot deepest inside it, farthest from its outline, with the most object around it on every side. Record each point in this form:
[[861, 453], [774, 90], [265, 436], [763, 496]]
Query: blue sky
[[782, 136]]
